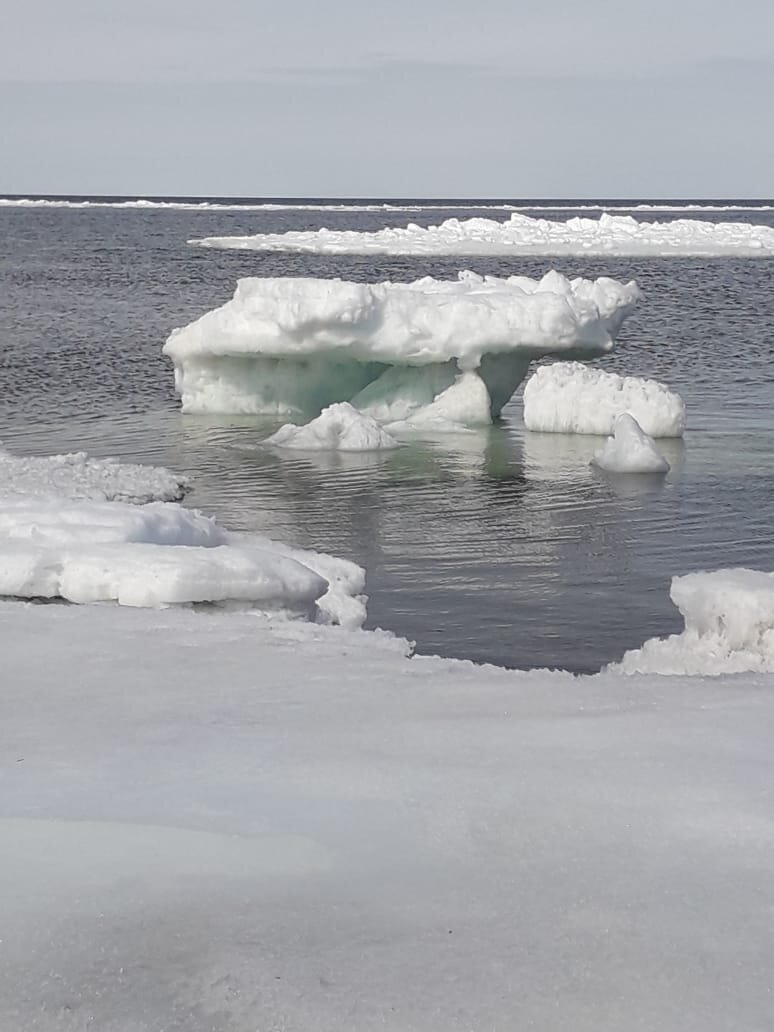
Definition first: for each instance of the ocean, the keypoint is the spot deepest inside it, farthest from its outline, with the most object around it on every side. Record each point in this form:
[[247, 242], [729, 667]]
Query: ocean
[[501, 546]]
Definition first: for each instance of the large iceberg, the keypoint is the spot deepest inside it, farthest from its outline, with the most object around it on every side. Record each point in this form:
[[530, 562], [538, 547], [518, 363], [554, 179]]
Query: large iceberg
[[521, 234], [391, 349], [729, 627], [571, 398]]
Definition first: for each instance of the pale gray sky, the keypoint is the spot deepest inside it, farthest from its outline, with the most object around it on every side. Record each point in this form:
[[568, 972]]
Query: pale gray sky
[[433, 98]]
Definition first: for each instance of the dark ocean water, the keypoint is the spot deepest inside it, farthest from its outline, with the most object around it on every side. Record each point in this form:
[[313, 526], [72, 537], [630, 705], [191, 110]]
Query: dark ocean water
[[502, 546]]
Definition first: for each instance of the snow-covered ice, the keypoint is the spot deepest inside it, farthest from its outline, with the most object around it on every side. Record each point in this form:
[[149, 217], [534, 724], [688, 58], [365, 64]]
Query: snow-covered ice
[[214, 821], [339, 427], [521, 234], [77, 476], [64, 534], [630, 450], [572, 398], [298, 345], [729, 627]]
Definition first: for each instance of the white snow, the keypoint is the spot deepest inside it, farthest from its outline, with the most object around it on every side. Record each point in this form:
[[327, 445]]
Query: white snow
[[298, 345], [162, 554], [339, 427], [572, 398], [521, 234], [630, 450], [214, 821], [76, 476], [729, 627]]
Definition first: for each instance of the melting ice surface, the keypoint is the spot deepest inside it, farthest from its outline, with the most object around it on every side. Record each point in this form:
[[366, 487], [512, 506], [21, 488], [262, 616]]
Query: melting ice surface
[[630, 450], [571, 398], [521, 234], [449, 349]]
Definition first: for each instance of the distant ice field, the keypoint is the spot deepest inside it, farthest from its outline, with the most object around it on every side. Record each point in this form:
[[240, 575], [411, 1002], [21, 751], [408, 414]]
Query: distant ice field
[[500, 544]]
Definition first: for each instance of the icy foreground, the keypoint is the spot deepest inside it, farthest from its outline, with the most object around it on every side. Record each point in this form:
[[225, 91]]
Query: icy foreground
[[339, 427], [630, 450], [571, 398], [390, 349], [729, 627], [521, 234], [76, 476], [210, 821]]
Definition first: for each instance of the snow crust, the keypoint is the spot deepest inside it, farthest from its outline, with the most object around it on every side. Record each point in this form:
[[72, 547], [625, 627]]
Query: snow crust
[[77, 476], [299, 345], [630, 450], [339, 427], [211, 820], [729, 627], [522, 234], [571, 398]]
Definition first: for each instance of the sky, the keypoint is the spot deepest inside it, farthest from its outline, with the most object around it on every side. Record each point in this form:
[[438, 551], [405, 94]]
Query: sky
[[412, 98]]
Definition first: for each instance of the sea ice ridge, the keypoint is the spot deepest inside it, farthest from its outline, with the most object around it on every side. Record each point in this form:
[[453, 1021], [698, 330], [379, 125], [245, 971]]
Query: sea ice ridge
[[522, 234]]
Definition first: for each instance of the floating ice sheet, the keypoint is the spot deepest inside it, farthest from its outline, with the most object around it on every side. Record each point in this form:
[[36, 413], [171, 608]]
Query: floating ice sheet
[[521, 234], [298, 345], [572, 398], [162, 554]]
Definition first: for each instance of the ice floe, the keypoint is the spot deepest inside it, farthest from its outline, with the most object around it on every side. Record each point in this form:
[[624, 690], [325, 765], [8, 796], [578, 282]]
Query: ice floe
[[630, 450], [77, 476], [572, 398], [522, 234], [298, 345], [61, 537], [729, 627]]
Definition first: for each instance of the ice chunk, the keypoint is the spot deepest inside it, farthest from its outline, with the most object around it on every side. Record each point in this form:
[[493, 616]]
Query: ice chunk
[[521, 234], [299, 345], [729, 627], [339, 427], [571, 398], [76, 476], [630, 450], [162, 554]]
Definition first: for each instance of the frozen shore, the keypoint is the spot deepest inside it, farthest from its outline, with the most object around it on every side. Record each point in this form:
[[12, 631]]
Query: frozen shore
[[212, 820]]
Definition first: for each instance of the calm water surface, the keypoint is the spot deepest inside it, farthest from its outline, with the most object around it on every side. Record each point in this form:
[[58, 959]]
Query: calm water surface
[[498, 545]]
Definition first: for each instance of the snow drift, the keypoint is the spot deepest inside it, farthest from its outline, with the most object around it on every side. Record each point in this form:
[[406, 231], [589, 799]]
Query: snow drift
[[729, 627], [521, 234], [391, 349], [630, 450], [571, 398], [76, 476]]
